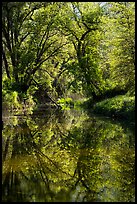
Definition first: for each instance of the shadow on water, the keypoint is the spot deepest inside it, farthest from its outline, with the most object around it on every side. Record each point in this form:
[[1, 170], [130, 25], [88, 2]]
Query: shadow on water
[[67, 156]]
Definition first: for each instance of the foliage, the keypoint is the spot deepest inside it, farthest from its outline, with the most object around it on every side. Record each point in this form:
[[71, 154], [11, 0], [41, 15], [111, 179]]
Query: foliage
[[82, 26], [10, 99], [121, 106], [51, 50], [66, 102], [118, 48]]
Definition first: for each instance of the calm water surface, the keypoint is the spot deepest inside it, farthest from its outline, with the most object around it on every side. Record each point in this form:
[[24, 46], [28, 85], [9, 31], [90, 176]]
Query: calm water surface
[[67, 156]]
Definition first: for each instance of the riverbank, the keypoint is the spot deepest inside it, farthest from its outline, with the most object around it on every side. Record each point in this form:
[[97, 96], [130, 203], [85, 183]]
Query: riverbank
[[119, 107]]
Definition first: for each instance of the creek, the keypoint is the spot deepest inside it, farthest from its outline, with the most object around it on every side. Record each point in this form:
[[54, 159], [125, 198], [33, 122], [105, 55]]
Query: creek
[[67, 156]]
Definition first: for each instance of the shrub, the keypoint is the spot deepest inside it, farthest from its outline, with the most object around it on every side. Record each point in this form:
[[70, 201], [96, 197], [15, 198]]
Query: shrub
[[10, 99], [67, 102], [119, 106]]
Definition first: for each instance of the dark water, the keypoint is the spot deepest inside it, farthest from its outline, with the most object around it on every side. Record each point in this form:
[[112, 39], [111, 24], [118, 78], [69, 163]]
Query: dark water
[[67, 156]]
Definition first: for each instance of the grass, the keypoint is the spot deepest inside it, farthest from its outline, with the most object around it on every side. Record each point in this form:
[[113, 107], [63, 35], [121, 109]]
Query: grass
[[121, 107]]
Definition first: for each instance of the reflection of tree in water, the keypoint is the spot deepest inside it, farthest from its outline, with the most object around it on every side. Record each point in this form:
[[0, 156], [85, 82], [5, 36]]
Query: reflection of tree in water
[[11, 178], [102, 146], [19, 179], [61, 157]]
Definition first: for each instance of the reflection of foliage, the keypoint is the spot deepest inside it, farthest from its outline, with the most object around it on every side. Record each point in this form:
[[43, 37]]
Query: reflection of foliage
[[67, 156]]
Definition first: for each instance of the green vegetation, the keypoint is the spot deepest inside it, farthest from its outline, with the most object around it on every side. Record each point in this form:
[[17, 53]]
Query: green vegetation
[[121, 106], [52, 51], [66, 102], [60, 56]]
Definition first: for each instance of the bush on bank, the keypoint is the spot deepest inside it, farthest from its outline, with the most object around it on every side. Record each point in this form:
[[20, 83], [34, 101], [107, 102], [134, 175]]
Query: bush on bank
[[11, 102], [121, 106]]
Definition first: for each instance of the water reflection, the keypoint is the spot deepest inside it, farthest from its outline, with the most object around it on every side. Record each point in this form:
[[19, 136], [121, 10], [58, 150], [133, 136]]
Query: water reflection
[[67, 156]]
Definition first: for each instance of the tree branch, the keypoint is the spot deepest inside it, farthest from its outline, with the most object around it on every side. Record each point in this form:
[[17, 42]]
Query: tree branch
[[88, 31], [6, 64], [52, 54], [47, 72], [23, 38]]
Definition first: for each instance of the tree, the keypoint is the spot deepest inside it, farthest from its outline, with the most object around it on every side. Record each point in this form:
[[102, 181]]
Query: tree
[[50, 49], [118, 46], [29, 40], [80, 22]]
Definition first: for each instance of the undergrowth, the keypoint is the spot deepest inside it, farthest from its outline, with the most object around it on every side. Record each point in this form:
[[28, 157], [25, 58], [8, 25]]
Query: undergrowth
[[121, 106]]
